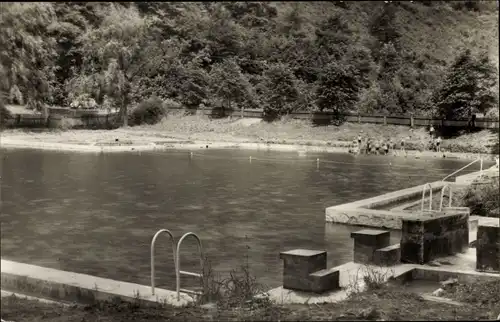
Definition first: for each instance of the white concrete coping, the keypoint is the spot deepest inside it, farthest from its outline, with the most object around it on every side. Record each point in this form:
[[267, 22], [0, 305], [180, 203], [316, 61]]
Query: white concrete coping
[[68, 284], [361, 212]]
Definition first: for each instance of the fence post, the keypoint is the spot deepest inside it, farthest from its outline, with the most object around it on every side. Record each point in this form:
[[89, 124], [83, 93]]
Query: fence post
[[412, 121], [385, 120]]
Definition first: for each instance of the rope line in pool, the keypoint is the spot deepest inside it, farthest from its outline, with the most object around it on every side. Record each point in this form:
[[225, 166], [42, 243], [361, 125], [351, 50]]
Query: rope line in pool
[[324, 163]]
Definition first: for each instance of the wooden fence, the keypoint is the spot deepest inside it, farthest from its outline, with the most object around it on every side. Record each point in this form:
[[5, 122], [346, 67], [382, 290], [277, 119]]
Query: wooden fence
[[328, 117], [61, 118], [83, 121]]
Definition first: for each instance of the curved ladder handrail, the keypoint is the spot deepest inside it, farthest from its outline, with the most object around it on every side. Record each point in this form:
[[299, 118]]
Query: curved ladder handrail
[[178, 261], [442, 195], [464, 168], [430, 196], [153, 255]]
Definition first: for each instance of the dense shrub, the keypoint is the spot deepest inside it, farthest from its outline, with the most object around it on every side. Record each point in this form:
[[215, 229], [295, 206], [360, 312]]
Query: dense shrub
[[483, 199], [150, 111]]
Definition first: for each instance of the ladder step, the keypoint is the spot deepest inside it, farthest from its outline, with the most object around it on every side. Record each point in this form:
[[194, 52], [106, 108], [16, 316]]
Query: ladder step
[[191, 274], [183, 290]]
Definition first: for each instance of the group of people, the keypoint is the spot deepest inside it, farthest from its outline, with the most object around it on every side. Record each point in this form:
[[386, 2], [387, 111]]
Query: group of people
[[369, 146], [386, 146]]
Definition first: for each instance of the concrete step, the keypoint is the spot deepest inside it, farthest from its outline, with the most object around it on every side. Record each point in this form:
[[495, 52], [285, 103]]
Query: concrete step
[[325, 280], [388, 256]]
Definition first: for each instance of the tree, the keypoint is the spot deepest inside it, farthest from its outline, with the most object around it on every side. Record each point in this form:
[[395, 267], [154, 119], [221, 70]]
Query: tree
[[333, 38], [229, 83], [123, 49], [27, 52], [467, 87], [384, 26], [338, 88], [70, 25], [341, 81], [279, 90], [193, 85]]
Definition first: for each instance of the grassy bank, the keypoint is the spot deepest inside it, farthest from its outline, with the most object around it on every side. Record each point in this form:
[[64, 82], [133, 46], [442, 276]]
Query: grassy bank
[[386, 303], [297, 132]]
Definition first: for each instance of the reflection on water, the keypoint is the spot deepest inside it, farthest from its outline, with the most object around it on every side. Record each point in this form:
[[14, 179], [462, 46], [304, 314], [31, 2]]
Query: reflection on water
[[97, 213]]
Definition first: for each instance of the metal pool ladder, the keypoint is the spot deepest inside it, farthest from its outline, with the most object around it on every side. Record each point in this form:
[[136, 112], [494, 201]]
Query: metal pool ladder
[[442, 195], [424, 189], [176, 253]]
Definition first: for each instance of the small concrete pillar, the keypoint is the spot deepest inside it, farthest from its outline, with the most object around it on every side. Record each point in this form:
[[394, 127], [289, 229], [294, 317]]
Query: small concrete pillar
[[366, 242], [305, 270], [488, 249], [298, 264]]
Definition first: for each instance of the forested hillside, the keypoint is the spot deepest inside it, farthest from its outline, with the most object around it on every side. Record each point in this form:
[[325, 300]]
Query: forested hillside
[[388, 57]]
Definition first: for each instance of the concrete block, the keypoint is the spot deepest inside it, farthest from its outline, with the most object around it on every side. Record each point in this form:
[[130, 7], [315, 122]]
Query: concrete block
[[388, 256], [325, 280], [366, 242], [298, 264], [488, 249], [428, 237]]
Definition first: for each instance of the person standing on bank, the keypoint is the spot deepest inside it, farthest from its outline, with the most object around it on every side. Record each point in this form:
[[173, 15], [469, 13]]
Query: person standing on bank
[[386, 148], [431, 131], [438, 144], [377, 147], [403, 145]]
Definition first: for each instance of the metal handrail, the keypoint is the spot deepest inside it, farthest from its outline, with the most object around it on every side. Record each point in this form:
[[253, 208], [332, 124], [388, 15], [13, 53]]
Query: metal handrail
[[442, 195], [464, 168], [178, 261], [430, 196], [153, 256]]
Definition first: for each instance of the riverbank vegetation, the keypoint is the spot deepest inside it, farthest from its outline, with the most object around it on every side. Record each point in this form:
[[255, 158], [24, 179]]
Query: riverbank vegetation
[[393, 57]]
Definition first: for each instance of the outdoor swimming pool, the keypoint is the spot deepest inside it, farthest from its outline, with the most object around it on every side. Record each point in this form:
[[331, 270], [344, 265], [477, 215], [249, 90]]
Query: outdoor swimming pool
[[96, 213]]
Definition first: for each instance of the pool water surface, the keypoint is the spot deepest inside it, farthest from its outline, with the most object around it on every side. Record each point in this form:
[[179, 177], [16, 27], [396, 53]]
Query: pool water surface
[[96, 213]]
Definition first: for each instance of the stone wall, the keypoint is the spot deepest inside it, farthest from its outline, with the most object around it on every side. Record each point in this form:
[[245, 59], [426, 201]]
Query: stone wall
[[430, 236]]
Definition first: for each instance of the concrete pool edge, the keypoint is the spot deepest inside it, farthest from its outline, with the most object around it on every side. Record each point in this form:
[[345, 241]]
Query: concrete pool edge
[[11, 143], [359, 213], [19, 278], [76, 287]]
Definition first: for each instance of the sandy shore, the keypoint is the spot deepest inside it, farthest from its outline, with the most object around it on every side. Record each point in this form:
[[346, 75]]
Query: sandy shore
[[134, 141]]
